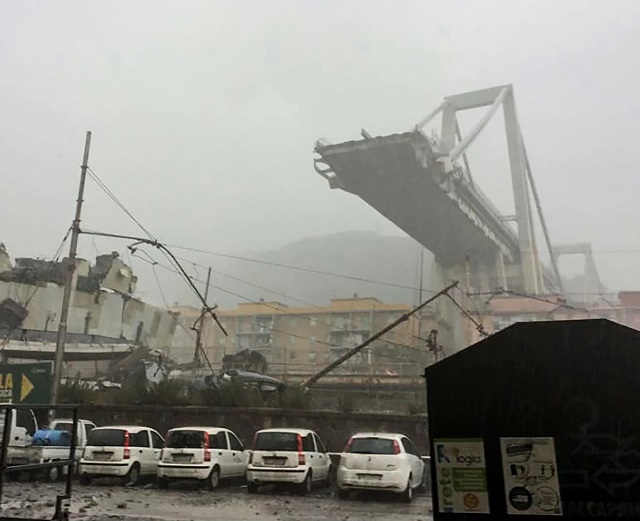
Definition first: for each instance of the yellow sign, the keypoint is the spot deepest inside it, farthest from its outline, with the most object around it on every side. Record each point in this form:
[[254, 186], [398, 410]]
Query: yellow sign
[[6, 385], [25, 388], [6, 381]]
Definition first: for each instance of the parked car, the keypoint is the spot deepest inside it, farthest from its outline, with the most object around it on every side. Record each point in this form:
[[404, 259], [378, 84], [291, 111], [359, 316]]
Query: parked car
[[380, 461], [23, 426], [294, 456], [127, 452], [207, 454], [53, 444]]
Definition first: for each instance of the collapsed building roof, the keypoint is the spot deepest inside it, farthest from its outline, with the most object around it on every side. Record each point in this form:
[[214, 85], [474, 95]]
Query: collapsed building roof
[[109, 272]]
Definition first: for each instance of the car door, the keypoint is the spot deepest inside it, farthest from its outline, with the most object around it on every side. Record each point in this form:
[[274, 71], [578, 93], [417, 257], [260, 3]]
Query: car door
[[311, 456], [157, 442], [223, 453], [324, 460], [140, 449], [417, 467], [237, 455], [88, 427]]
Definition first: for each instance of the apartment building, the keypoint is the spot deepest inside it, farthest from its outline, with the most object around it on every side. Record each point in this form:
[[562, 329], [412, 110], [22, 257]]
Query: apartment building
[[301, 340]]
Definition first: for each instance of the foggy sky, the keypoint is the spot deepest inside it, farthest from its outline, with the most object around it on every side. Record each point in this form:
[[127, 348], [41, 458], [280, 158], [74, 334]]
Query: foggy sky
[[204, 114]]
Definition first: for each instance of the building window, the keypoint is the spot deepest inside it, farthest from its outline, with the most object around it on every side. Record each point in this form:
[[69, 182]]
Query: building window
[[223, 340], [312, 322], [293, 321], [292, 355], [314, 339], [292, 340], [312, 356]]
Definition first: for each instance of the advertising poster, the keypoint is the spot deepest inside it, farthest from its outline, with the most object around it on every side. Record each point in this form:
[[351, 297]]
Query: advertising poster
[[461, 476], [531, 476]]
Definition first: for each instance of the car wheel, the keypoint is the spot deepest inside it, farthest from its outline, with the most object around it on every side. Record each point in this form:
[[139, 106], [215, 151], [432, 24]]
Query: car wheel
[[85, 479], [343, 494], [252, 488], [213, 481], [163, 483], [132, 478], [305, 487], [407, 495]]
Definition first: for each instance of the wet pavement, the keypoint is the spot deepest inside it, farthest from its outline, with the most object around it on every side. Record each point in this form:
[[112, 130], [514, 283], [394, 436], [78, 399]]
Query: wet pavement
[[109, 502]]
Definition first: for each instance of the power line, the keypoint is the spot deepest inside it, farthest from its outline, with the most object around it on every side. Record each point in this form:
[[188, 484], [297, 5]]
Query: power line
[[280, 310], [117, 201], [557, 304], [478, 325], [297, 268]]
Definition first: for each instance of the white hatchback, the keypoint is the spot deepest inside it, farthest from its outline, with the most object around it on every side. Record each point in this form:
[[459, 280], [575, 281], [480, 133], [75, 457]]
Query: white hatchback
[[207, 454], [380, 461], [294, 456], [127, 452]]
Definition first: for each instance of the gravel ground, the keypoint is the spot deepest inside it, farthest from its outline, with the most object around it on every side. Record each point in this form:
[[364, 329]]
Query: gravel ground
[[105, 501]]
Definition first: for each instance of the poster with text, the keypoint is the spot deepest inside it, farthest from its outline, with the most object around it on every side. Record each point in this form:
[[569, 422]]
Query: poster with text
[[461, 476], [531, 476]]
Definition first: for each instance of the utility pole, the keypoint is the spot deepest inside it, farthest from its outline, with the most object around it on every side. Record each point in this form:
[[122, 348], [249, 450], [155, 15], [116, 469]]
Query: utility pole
[[420, 289], [200, 323], [70, 278]]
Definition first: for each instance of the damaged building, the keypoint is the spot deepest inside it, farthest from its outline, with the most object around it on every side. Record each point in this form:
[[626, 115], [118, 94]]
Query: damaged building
[[106, 321]]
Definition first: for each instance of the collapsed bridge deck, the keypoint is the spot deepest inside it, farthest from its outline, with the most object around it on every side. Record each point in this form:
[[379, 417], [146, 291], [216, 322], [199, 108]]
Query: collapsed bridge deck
[[400, 176]]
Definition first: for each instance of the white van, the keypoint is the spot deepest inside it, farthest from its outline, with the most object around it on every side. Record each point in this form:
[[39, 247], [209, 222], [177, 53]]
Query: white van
[[207, 454], [295, 456], [127, 452]]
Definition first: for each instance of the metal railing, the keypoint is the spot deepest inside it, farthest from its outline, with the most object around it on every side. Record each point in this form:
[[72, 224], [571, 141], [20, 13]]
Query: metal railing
[[61, 512]]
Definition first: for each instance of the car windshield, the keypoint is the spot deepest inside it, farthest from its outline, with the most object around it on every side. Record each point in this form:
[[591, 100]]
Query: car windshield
[[286, 441], [371, 446], [106, 438], [185, 439]]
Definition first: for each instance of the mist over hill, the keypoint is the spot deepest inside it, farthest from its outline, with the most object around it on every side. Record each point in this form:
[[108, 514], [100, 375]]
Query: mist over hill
[[331, 266], [385, 267]]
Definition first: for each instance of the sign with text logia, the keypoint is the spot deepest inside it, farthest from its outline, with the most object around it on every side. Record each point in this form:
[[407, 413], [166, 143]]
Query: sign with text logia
[[461, 476]]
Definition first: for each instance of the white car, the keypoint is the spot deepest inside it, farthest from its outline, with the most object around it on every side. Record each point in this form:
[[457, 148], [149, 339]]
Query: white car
[[207, 454], [380, 461], [293, 456], [127, 452]]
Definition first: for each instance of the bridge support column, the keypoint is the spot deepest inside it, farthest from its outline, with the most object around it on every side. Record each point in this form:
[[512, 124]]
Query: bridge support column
[[526, 239]]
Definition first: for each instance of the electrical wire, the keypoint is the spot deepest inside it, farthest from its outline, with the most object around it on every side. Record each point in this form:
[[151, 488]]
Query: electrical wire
[[117, 201], [320, 308], [280, 310], [298, 268], [478, 325]]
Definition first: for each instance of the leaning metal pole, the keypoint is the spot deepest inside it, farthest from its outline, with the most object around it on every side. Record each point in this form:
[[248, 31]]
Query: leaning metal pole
[[70, 278], [352, 352]]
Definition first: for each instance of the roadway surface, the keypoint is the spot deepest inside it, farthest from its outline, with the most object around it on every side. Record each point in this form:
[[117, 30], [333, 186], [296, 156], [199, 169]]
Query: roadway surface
[[106, 501]]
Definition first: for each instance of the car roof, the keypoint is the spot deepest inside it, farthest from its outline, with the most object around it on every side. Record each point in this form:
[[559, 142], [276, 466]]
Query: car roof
[[198, 428], [384, 435], [129, 428], [302, 432]]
